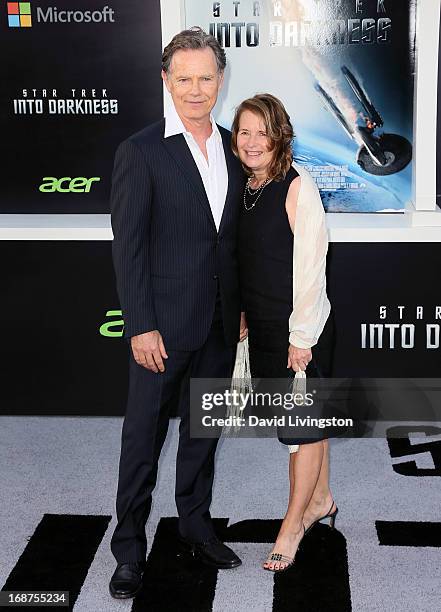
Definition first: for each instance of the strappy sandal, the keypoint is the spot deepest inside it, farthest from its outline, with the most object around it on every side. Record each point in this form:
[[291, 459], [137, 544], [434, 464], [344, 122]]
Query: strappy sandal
[[279, 558], [331, 515]]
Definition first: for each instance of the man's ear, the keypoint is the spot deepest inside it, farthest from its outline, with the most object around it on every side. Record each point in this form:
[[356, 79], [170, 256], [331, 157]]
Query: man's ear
[[221, 79], [165, 79]]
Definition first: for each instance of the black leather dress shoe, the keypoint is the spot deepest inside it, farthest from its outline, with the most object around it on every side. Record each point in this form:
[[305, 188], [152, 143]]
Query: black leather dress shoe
[[126, 581], [213, 552]]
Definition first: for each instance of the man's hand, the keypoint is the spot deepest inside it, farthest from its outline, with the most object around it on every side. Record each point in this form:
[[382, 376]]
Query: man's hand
[[243, 332], [298, 358], [149, 350]]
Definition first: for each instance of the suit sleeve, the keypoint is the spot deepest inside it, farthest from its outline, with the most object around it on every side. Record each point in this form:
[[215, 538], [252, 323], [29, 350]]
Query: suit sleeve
[[131, 206]]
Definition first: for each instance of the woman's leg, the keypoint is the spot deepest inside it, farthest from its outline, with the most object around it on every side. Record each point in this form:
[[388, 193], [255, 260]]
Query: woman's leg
[[309, 466], [305, 467], [321, 501]]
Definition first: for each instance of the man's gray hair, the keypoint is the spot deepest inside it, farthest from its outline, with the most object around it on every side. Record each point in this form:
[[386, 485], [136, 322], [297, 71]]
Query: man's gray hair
[[194, 38]]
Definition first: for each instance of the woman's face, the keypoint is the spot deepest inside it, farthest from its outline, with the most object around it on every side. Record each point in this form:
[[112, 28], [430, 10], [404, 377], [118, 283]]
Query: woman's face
[[253, 143]]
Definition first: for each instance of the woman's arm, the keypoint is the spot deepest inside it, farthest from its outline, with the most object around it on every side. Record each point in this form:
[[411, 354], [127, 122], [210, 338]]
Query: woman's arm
[[298, 358], [311, 306]]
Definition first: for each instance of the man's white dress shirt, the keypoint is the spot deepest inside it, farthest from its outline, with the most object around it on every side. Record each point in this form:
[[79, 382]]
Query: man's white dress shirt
[[213, 173]]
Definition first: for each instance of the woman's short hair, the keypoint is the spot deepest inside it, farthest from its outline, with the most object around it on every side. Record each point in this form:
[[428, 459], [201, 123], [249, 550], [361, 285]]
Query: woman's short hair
[[278, 129], [194, 38]]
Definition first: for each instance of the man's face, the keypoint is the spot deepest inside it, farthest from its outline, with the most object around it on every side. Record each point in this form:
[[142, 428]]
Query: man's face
[[193, 82]]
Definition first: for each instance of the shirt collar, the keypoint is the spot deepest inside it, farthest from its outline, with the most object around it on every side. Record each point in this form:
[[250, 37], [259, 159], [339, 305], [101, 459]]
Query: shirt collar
[[174, 125]]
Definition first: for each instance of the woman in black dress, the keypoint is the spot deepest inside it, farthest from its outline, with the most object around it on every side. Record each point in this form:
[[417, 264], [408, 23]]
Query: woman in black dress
[[282, 254]]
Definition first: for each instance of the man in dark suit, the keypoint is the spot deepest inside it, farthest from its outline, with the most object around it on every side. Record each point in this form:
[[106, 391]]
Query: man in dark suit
[[176, 191]]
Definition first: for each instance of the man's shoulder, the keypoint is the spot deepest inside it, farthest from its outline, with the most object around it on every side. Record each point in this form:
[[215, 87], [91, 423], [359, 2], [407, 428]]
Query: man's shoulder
[[233, 159], [150, 135], [223, 131]]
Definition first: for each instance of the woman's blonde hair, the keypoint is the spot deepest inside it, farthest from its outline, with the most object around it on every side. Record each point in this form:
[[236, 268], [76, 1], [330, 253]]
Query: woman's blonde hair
[[278, 129]]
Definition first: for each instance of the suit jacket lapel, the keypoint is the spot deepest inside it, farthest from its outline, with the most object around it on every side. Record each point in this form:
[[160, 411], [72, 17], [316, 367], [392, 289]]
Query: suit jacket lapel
[[232, 179], [178, 149]]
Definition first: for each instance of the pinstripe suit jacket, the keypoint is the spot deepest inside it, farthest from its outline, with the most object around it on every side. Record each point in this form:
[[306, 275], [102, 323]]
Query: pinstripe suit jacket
[[168, 255]]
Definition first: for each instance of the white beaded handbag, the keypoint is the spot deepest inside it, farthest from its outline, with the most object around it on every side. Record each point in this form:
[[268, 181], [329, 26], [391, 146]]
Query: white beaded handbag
[[242, 383], [298, 386]]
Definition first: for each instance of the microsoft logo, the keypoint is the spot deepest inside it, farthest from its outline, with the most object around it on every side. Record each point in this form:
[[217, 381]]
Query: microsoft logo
[[19, 15]]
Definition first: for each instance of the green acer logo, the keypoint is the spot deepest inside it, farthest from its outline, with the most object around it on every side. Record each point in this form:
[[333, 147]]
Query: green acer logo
[[107, 328], [67, 184]]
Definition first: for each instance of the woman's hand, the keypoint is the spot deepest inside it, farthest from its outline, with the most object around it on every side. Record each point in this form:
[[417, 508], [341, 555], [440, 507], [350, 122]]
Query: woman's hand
[[298, 358], [243, 332]]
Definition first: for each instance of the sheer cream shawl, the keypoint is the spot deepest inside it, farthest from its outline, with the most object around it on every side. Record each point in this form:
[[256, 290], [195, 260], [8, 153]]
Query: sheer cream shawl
[[311, 306]]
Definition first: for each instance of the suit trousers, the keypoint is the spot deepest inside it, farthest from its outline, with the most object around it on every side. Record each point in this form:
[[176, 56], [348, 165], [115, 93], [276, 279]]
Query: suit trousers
[[144, 430]]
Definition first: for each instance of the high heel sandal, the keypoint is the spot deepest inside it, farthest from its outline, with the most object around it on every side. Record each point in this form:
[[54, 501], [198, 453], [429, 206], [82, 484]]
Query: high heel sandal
[[279, 558], [331, 515]]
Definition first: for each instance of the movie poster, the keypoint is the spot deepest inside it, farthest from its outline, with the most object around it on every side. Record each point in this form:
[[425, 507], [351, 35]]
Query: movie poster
[[344, 70]]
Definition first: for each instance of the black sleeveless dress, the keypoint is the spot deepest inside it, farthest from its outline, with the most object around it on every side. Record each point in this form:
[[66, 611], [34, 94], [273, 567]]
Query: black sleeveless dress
[[266, 275]]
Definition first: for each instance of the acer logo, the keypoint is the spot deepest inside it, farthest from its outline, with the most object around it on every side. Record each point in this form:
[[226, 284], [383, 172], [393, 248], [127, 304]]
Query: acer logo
[[113, 328], [67, 184]]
